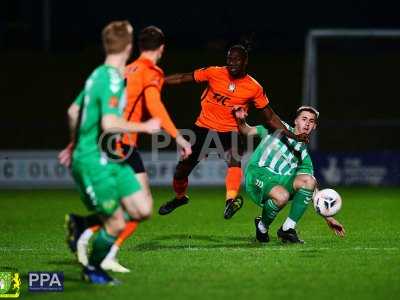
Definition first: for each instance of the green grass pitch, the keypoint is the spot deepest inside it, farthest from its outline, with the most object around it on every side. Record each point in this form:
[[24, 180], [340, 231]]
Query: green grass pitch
[[194, 253]]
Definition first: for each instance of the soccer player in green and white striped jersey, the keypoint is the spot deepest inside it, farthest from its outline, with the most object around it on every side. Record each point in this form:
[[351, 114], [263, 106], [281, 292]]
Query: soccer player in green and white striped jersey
[[281, 169]]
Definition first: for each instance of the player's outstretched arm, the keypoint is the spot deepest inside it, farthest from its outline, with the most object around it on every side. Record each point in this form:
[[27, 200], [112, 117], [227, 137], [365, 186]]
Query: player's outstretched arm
[[65, 155], [240, 116], [114, 124], [73, 115], [179, 78], [275, 122]]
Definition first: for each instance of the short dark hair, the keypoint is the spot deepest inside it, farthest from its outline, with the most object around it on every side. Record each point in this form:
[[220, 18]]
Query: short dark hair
[[309, 109], [150, 38], [241, 49]]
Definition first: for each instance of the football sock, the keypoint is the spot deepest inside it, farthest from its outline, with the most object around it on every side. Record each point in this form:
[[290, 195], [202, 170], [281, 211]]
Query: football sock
[[129, 229], [261, 227], [113, 252], [299, 204], [180, 187], [288, 224], [232, 182], [88, 233], [269, 212], [101, 246]]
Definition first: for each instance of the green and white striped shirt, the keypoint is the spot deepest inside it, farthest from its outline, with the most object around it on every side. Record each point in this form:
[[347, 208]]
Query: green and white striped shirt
[[280, 154]]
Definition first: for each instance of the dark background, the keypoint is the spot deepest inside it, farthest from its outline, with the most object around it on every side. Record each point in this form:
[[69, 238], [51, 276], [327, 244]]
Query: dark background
[[358, 79]]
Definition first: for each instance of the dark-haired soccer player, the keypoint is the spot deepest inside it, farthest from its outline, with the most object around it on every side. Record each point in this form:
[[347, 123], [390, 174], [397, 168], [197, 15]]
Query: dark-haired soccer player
[[108, 188], [144, 83], [278, 169], [228, 86]]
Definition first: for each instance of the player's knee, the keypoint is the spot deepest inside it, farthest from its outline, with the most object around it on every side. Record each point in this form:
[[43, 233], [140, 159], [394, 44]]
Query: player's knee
[[279, 195], [116, 226], [145, 212], [281, 198], [307, 182]]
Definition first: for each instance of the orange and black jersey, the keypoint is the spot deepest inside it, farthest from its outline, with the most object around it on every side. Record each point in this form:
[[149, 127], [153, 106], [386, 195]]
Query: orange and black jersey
[[143, 93], [222, 94]]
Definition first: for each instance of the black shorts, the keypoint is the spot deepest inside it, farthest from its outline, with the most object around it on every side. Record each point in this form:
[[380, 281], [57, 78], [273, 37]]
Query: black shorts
[[133, 158], [216, 142]]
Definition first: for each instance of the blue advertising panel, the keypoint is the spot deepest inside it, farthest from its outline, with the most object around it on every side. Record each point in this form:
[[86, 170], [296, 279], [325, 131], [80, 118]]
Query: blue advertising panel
[[371, 168]]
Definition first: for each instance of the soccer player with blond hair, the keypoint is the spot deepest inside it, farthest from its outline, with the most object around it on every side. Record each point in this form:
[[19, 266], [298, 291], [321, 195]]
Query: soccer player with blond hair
[[108, 188]]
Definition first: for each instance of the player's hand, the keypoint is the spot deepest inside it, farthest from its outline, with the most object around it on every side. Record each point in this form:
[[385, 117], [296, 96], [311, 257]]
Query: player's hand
[[185, 147], [303, 137], [65, 156], [337, 228], [152, 126], [239, 112]]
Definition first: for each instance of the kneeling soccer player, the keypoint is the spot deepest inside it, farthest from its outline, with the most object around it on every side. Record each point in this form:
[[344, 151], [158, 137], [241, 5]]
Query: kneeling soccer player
[[107, 187], [281, 169]]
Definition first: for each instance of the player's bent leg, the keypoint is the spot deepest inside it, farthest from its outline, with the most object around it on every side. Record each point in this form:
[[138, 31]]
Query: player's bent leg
[[182, 171], [111, 262], [275, 201], [180, 185], [104, 240], [138, 206], [303, 186]]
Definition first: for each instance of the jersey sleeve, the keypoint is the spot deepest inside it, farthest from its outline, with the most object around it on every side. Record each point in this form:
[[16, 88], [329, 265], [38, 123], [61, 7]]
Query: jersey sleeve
[[110, 93], [79, 99], [154, 79], [203, 74], [260, 98], [261, 131], [157, 110], [306, 166]]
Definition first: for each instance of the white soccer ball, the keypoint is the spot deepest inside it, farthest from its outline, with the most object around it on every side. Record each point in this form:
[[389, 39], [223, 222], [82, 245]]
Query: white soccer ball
[[327, 202]]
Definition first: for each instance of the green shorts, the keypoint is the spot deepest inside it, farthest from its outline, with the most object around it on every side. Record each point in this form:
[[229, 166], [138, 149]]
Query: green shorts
[[102, 186], [260, 181]]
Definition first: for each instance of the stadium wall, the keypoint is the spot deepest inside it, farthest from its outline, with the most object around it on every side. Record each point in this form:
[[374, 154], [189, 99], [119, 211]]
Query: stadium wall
[[40, 169]]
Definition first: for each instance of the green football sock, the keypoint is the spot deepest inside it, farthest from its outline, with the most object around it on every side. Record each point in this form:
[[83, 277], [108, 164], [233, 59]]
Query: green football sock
[[101, 246], [269, 212], [299, 204]]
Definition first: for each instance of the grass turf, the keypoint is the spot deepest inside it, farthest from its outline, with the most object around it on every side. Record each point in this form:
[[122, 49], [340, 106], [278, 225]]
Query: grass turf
[[194, 253]]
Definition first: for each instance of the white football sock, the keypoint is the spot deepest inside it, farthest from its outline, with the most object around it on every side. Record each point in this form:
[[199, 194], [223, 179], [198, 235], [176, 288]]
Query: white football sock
[[262, 227], [289, 224], [112, 253], [85, 236]]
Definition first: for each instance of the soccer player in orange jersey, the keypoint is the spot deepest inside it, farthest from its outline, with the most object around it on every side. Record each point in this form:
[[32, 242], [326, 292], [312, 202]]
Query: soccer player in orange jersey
[[228, 86]]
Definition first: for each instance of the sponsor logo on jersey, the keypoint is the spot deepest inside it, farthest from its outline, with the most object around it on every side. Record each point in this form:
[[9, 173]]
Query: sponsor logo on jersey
[[113, 103], [231, 87]]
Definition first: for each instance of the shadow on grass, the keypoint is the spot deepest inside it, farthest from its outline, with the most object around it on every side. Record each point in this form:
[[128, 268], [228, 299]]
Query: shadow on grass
[[194, 242], [64, 262]]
